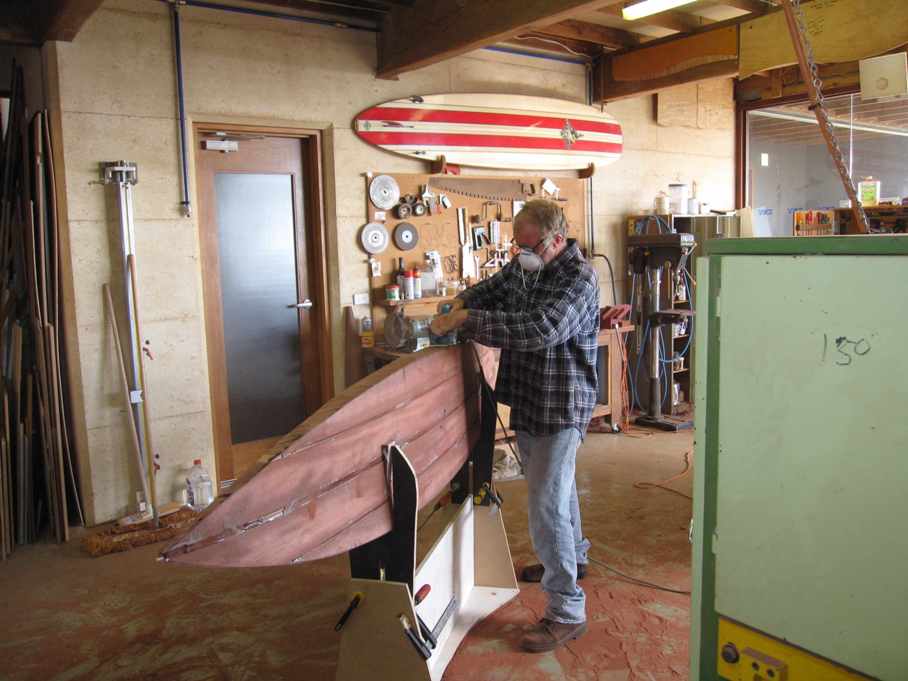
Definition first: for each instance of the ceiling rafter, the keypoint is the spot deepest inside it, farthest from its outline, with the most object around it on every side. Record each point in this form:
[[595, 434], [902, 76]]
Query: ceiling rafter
[[448, 29], [752, 6], [351, 9], [612, 38]]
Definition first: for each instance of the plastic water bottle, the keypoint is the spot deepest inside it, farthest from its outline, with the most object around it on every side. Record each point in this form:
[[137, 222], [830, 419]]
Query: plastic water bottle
[[199, 488]]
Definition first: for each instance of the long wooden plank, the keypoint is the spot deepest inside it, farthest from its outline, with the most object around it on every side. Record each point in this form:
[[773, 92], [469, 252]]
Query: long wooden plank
[[709, 54], [4, 467], [648, 63], [449, 29], [57, 428], [27, 482], [4, 512], [323, 489], [74, 398], [839, 31], [124, 386], [609, 90], [143, 382], [43, 384], [53, 217], [21, 486], [41, 220]]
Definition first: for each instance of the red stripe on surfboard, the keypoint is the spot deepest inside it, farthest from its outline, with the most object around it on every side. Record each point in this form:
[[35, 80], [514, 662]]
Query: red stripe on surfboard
[[390, 113], [515, 142]]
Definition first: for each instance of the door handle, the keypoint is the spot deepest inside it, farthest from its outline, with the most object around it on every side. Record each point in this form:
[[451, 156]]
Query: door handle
[[305, 305]]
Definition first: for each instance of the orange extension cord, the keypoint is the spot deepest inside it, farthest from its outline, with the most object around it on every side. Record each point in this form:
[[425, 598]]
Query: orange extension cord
[[664, 483]]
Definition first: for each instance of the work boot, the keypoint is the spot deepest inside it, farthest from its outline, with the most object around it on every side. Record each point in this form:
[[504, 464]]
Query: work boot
[[548, 635], [533, 573]]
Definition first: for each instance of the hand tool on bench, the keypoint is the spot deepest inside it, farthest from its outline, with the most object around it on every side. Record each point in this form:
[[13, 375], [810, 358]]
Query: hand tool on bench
[[427, 634], [357, 599], [414, 638]]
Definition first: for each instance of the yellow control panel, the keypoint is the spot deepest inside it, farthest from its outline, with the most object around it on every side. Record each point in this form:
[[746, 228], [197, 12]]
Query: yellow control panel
[[748, 655]]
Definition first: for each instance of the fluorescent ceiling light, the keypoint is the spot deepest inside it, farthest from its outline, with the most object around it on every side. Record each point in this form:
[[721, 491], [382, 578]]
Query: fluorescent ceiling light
[[648, 7]]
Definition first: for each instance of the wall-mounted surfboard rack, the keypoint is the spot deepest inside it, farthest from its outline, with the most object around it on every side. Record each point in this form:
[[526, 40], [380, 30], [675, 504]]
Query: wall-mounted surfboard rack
[[386, 633]]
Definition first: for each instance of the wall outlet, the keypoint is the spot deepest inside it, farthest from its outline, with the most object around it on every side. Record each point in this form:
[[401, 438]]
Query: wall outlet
[[360, 298]]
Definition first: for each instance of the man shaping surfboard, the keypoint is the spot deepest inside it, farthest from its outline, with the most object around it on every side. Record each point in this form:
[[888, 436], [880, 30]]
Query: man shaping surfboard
[[542, 310]]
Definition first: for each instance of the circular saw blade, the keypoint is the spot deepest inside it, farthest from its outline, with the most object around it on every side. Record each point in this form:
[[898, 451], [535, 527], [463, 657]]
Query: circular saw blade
[[374, 238], [384, 192], [405, 236]]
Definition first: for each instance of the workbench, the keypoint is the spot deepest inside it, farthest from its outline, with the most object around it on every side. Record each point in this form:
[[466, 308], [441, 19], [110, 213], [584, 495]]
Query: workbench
[[608, 340]]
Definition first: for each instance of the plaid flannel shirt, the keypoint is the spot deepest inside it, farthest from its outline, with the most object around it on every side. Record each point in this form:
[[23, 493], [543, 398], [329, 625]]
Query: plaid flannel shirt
[[547, 333]]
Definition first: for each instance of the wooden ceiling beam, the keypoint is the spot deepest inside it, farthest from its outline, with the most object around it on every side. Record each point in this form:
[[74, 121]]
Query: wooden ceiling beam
[[755, 7], [366, 11], [786, 82], [703, 55], [612, 38], [567, 46], [63, 19], [429, 31]]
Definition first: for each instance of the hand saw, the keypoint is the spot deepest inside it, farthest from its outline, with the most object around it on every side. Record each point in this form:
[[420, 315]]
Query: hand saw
[[483, 188]]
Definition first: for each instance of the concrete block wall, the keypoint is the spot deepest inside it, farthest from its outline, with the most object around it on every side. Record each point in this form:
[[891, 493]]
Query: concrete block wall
[[116, 93]]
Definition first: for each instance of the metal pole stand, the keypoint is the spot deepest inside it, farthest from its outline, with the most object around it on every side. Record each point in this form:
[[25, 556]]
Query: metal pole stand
[[125, 174]]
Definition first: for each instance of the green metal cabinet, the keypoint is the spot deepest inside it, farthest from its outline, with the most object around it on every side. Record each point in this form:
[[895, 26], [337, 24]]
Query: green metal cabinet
[[801, 459]]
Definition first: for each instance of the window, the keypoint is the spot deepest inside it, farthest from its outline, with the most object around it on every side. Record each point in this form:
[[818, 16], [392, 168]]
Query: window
[[789, 167]]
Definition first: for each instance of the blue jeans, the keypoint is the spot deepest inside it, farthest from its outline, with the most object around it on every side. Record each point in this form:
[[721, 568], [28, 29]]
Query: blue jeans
[[554, 519]]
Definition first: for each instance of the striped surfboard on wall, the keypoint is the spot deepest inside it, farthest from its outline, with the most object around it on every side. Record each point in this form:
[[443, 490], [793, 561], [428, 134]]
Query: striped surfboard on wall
[[494, 131]]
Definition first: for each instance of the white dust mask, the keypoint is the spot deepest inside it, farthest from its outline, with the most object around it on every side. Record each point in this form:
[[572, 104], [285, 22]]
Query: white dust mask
[[529, 260]]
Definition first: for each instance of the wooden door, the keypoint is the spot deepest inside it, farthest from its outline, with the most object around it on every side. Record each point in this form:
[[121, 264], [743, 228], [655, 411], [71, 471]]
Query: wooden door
[[264, 364]]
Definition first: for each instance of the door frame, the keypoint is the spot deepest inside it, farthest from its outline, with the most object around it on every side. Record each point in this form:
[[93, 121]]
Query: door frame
[[314, 227]]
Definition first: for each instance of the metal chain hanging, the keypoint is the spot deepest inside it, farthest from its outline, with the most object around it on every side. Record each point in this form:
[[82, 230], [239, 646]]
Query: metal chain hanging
[[797, 27]]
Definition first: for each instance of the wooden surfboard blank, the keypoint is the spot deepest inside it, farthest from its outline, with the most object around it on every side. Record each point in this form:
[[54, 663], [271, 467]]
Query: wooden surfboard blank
[[323, 489]]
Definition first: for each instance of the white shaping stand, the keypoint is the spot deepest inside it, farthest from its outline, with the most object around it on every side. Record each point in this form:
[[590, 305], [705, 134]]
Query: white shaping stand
[[470, 562]]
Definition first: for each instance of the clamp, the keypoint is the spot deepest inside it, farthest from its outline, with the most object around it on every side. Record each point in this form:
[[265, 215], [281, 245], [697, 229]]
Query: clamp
[[487, 496]]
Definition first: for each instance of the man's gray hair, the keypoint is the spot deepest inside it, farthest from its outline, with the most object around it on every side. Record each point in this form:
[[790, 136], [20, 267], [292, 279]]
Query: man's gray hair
[[545, 214]]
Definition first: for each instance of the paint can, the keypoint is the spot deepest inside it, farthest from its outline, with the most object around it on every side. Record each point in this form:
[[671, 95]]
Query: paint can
[[662, 204], [392, 292], [679, 194]]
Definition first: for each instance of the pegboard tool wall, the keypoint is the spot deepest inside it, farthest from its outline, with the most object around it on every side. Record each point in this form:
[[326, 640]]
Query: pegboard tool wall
[[439, 232]]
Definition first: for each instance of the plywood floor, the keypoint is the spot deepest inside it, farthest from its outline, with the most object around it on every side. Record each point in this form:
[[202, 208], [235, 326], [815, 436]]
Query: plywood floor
[[67, 617]]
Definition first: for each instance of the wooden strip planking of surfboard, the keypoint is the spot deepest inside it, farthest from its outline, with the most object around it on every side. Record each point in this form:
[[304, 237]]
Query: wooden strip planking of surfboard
[[494, 131]]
